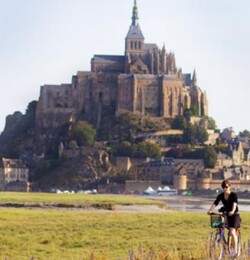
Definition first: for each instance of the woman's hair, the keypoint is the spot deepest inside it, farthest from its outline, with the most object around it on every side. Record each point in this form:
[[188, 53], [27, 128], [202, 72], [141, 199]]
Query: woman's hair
[[225, 183]]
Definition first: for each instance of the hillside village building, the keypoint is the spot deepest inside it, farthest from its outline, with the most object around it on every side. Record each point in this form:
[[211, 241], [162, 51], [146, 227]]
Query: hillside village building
[[164, 170], [14, 175], [144, 80]]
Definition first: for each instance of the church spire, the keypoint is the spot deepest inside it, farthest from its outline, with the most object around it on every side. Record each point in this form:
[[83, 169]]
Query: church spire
[[135, 14], [194, 79], [135, 32], [134, 41]]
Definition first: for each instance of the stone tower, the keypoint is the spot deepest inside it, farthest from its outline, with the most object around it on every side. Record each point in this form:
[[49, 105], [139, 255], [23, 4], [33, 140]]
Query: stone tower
[[134, 41]]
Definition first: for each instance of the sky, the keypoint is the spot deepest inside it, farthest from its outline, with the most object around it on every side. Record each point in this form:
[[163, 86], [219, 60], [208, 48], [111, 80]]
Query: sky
[[48, 41]]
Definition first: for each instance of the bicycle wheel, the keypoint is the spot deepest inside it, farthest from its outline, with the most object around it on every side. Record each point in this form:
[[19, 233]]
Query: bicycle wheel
[[215, 246]]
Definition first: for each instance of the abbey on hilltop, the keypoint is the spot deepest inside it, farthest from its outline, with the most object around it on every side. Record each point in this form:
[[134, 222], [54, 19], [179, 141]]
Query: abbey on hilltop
[[144, 81]]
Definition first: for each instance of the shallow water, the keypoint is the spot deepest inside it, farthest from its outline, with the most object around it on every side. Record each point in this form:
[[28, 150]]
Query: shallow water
[[196, 204]]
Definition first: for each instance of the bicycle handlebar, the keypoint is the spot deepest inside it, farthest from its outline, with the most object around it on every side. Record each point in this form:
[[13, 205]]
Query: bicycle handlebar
[[222, 213]]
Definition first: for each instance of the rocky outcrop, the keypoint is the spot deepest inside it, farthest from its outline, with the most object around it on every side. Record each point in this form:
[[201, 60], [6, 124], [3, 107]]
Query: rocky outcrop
[[85, 170]]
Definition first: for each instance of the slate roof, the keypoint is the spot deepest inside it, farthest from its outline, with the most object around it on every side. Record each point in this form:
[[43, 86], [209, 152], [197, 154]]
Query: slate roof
[[159, 163], [135, 32], [187, 78], [108, 58], [150, 46]]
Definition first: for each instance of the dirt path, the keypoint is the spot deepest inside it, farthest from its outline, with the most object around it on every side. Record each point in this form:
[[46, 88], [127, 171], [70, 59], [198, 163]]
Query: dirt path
[[141, 209]]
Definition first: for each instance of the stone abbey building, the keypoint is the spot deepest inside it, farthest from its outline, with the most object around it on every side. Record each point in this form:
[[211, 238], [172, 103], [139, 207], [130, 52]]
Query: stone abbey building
[[145, 81]]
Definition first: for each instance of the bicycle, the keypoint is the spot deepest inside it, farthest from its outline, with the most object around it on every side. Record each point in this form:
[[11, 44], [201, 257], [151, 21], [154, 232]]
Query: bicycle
[[220, 243]]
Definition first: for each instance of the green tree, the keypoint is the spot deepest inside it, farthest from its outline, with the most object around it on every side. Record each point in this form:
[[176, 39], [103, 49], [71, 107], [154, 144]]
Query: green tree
[[127, 126], [27, 121], [73, 144], [175, 153], [194, 134], [187, 114], [179, 122], [142, 150], [146, 149], [153, 150], [149, 124], [245, 133], [125, 149], [16, 139], [223, 148], [194, 110], [211, 124], [83, 133], [189, 135], [31, 109], [134, 150], [209, 157], [201, 134]]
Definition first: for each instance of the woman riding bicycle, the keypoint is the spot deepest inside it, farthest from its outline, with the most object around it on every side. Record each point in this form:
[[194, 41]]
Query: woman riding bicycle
[[230, 203]]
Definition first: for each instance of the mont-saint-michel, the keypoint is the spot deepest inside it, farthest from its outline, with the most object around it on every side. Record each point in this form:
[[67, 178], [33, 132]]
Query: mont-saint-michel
[[144, 81], [133, 119]]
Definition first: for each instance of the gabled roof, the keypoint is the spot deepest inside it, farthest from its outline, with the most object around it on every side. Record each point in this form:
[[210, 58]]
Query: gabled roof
[[108, 58], [134, 32]]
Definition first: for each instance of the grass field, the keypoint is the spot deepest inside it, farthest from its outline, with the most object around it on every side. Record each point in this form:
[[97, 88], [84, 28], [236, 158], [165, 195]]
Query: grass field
[[71, 200], [77, 234]]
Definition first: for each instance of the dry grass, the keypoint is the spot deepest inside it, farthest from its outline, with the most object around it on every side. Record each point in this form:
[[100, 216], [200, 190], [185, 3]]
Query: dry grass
[[70, 234]]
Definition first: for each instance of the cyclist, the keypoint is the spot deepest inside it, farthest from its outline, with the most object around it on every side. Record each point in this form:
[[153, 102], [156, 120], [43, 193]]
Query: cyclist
[[229, 200]]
